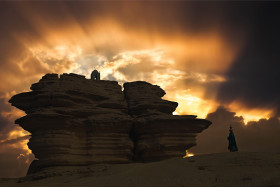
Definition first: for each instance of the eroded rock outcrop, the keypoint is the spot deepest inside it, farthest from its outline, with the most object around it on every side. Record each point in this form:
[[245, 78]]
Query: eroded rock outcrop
[[157, 133], [77, 121], [144, 98]]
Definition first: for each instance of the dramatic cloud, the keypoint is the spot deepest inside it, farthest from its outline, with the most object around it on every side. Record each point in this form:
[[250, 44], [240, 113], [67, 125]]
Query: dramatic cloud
[[203, 54], [256, 136], [15, 156], [14, 160], [252, 79]]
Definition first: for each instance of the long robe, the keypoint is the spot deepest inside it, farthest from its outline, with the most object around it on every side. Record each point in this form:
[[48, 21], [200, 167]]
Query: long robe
[[232, 143]]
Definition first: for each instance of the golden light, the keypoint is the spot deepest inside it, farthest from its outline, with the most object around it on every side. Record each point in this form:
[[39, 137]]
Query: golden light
[[25, 155], [18, 144], [188, 154], [190, 104], [250, 114], [20, 156], [16, 134], [108, 45]]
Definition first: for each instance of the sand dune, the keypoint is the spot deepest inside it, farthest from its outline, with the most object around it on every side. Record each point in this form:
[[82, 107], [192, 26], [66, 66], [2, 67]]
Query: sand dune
[[221, 169]]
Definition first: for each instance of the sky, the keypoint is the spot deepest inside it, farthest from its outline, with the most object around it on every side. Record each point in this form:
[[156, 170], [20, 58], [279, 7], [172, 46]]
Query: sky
[[218, 60]]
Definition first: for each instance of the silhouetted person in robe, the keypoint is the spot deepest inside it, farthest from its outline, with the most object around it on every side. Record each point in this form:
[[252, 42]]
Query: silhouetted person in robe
[[95, 75], [232, 147]]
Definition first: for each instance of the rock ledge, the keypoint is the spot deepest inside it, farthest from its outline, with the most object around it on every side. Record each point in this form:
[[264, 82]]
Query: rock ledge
[[77, 121]]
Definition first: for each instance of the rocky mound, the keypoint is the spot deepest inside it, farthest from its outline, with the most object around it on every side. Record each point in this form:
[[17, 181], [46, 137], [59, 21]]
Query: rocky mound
[[78, 121]]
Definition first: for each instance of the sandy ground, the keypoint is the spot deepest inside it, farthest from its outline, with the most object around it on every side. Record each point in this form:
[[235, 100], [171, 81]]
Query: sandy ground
[[221, 169]]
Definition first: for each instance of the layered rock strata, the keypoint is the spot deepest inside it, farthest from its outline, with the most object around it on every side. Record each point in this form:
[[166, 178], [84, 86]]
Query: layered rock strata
[[77, 121], [157, 133], [144, 98]]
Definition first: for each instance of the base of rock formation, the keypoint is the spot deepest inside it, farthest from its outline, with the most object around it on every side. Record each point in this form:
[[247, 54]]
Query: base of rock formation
[[221, 169]]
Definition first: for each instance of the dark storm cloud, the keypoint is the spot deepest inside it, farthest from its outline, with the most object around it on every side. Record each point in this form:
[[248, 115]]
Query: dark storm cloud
[[164, 17], [12, 162], [4, 122], [254, 77], [256, 136], [13, 53]]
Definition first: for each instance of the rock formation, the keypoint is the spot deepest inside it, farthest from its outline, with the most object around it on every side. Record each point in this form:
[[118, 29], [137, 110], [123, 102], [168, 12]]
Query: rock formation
[[78, 121], [157, 133]]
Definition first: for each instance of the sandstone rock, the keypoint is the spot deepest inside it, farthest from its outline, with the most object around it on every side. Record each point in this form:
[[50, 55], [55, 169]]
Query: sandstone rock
[[160, 137], [77, 121], [143, 98], [157, 133]]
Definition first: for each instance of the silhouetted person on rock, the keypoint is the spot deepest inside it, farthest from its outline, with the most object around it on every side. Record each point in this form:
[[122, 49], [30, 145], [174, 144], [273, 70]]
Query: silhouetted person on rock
[[95, 75], [232, 147]]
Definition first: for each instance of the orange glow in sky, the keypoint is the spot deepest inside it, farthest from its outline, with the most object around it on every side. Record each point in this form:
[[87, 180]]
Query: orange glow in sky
[[188, 66], [165, 61]]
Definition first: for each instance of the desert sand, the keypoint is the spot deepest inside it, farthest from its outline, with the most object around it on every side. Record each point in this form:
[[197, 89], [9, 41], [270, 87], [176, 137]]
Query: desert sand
[[220, 169]]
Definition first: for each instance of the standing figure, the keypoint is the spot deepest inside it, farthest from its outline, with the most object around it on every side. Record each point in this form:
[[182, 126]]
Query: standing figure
[[95, 75], [232, 147]]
